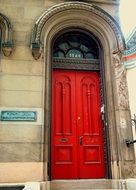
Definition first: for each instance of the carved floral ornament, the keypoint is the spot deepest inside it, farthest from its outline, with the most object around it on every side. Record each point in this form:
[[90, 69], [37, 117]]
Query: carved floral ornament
[[36, 41], [121, 83], [6, 41]]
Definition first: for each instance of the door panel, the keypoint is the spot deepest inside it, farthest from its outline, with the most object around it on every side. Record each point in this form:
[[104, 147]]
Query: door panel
[[64, 163], [77, 141], [90, 128]]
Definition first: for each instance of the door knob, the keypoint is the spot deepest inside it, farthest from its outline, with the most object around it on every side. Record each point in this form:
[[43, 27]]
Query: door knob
[[81, 140]]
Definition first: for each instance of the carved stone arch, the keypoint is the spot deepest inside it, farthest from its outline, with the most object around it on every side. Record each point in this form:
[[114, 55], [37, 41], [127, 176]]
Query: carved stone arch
[[89, 18], [6, 29], [68, 7]]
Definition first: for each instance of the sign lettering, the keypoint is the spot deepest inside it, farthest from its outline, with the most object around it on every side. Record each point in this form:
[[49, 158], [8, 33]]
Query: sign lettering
[[18, 115]]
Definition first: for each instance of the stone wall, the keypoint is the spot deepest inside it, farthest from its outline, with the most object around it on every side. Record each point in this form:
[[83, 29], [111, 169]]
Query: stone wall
[[131, 73], [22, 88]]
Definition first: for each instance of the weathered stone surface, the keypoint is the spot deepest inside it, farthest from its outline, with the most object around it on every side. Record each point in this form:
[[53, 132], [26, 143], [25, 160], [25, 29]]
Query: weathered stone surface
[[83, 184], [124, 132], [25, 171], [21, 82], [30, 3], [129, 170], [21, 53], [112, 10], [22, 133], [7, 10], [21, 67], [33, 14], [20, 37], [131, 73], [51, 3], [20, 152], [22, 85], [131, 184], [20, 99], [26, 26]]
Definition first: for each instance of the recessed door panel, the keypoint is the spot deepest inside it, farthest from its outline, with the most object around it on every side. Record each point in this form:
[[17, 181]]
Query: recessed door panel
[[64, 159], [77, 141], [90, 128]]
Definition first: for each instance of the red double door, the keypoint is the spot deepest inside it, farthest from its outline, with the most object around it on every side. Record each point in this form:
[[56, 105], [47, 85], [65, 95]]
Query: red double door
[[77, 137]]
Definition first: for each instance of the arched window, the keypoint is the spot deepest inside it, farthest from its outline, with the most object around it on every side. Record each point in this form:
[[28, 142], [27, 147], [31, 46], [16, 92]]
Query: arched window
[[6, 44], [76, 50]]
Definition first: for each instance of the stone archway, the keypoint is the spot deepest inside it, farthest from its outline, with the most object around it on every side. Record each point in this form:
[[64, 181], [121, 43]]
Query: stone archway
[[6, 35], [96, 21]]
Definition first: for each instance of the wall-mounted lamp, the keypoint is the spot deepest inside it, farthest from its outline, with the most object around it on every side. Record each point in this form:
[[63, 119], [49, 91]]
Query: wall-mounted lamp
[[129, 142]]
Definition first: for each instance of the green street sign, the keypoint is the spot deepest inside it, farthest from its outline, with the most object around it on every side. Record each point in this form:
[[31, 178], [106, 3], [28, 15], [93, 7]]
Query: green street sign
[[19, 116]]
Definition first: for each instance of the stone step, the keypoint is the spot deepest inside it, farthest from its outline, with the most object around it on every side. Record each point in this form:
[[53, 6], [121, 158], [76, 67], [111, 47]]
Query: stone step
[[98, 184]]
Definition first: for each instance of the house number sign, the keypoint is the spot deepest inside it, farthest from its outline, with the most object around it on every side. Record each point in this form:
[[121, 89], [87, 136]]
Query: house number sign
[[18, 116], [74, 54]]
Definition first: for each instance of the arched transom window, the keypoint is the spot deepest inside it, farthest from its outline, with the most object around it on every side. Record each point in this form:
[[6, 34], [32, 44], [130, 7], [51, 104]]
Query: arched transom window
[[75, 50]]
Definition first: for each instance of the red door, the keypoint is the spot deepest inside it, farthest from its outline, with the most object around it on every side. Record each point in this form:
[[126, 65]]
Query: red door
[[77, 140]]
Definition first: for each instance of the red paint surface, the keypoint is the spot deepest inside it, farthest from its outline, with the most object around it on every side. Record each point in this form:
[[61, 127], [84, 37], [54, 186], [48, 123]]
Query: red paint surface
[[77, 141], [129, 57]]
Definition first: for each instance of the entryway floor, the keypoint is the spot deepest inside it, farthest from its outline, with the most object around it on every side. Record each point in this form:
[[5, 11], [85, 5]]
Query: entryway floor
[[88, 184]]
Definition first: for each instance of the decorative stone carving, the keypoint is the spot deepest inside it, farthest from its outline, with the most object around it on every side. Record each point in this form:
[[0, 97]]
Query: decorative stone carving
[[120, 76], [39, 25], [77, 64], [130, 170], [36, 50], [6, 28]]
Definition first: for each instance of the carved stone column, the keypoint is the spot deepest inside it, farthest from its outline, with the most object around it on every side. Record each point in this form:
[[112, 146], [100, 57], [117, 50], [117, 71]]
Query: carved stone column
[[122, 114]]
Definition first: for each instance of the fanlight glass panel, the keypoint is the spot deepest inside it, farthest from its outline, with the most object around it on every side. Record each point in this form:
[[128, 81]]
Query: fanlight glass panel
[[89, 56], [59, 54], [74, 53], [75, 45]]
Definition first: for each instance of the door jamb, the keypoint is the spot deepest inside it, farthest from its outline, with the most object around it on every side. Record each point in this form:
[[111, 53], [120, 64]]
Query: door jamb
[[107, 154]]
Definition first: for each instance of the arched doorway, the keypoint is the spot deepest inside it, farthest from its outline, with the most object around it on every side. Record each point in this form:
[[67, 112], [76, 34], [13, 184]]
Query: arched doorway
[[93, 19], [77, 145]]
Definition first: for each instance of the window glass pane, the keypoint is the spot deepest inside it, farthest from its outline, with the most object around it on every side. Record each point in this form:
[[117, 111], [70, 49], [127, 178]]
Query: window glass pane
[[58, 54], [63, 46], [74, 53], [89, 56], [75, 45], [84, 48]]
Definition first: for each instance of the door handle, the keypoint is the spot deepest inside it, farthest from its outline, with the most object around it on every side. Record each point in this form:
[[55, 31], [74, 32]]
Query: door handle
[[81, 140]]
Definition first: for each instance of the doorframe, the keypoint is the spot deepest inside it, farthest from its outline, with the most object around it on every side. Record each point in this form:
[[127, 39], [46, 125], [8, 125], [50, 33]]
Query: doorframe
[[107, 157], [95, 20]]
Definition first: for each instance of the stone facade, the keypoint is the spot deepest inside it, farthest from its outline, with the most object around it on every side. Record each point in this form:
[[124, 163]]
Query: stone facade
[[129, 60], [25, 82], [130, 64]]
